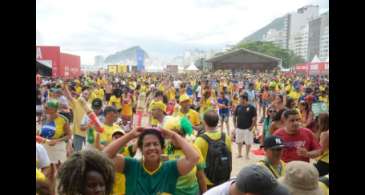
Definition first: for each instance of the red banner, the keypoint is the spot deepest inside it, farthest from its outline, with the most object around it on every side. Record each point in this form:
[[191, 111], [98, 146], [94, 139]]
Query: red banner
[[50, 54], [69, 65]]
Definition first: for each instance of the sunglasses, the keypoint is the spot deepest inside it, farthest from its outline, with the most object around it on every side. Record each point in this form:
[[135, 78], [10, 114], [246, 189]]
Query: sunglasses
[[270, 111], [277, 149]]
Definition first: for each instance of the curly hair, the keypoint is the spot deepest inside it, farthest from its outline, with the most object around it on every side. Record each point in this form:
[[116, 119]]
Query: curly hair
[[72, 174]]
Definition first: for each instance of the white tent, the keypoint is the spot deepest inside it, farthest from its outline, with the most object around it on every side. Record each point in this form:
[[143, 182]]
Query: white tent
[[192, 67], [316, 59]]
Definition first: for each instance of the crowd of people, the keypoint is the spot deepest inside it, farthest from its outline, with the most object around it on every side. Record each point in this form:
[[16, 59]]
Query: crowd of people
[[161, 133]]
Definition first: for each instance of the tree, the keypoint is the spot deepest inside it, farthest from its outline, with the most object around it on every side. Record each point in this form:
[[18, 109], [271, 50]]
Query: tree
[[287, 56]]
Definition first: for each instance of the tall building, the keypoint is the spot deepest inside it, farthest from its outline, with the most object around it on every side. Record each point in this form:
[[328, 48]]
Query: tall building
[[324, 38], [98, 60], [278, 37], [300, 42], [318, 41], [297, 22]]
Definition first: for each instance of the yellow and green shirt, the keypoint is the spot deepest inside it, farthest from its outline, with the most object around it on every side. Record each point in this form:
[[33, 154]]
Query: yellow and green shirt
[[54, 129], [276, 173], [192, 115]]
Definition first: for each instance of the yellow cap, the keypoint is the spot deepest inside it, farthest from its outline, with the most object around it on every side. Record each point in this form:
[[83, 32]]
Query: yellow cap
[[158, 105], [172, 123], [184, 98], [118, 131]]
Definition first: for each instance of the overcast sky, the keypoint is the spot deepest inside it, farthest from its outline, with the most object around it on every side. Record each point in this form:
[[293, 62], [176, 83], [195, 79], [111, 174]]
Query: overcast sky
[[164, 28]]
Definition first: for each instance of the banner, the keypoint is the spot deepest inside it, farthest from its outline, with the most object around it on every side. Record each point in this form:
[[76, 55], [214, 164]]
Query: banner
[[122, 68], [113, 69], [319, 107], [140, 59]]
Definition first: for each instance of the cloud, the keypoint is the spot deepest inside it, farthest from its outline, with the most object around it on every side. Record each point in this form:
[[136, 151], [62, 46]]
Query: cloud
[[92, 27]]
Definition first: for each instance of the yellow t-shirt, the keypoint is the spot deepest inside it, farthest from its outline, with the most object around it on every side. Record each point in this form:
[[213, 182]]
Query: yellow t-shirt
[[99, 93], [106, 136], [171, 94], [325, 157], [39, 175], [203, 145], [116, 101], [294, 95], [274, 171], [59, 122], [78, 114], [258, 86], [92, 96], [192, 115], [323, 99], [127, 108], [78, 89], [119, 178], [207, 104]]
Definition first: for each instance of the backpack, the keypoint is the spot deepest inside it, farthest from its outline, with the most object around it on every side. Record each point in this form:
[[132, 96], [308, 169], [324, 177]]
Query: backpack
[[219, 160]]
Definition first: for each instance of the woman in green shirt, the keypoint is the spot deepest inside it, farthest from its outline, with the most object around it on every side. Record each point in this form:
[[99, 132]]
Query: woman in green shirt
[[151, 175]]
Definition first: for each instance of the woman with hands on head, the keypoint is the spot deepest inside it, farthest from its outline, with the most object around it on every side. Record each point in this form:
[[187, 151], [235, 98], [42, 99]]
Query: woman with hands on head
[[151, 175]]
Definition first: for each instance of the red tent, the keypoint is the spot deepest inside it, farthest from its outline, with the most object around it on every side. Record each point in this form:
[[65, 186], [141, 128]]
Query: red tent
[[315, 67]]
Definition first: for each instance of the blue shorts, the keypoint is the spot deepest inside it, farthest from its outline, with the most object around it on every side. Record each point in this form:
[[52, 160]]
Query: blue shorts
[[224, 117], [265, 103]]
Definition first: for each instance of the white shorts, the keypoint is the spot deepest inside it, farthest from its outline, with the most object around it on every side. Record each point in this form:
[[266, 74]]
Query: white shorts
[[244, 135], [57, 152]]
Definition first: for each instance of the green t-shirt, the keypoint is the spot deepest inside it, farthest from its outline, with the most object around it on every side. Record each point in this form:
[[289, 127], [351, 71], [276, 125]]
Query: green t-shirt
[[160, 182]]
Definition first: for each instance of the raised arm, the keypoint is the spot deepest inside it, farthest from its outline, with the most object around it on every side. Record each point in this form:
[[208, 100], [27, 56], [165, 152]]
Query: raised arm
[[186, 164], [112, 149], [67, 93]]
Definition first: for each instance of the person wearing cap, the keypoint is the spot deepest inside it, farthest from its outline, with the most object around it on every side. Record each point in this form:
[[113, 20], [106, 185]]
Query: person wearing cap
[[273, 147], [301, 178], [185, 103], [251, 180], [151, 169], [157, 97], [194, 182], [300, 143], [158, 109], [56, 131], [110, 117], [78, 139]]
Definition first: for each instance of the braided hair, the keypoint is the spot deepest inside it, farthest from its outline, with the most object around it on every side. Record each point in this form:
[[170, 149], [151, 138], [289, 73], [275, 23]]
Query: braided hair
[[72, 174]]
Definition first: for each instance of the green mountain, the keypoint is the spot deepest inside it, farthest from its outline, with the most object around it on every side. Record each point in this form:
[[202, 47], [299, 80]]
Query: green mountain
[[277, 24], [127, 54]]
